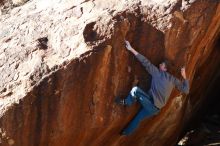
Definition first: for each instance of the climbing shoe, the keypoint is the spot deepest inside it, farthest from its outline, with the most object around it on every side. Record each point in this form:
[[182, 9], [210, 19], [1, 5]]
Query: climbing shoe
[[123, 133], [119, 101]]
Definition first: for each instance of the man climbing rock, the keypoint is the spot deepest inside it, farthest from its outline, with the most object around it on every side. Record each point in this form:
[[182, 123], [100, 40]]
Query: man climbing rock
[[151, 102]]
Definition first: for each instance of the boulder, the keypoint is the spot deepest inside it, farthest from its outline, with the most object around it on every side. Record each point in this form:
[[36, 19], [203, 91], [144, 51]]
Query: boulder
[[63, 62]]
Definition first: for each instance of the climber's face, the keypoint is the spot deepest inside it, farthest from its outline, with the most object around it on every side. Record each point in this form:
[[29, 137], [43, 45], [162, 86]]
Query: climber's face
[[163, 66]]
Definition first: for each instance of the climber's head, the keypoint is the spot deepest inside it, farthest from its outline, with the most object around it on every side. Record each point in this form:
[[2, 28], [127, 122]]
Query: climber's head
[[164, 65]]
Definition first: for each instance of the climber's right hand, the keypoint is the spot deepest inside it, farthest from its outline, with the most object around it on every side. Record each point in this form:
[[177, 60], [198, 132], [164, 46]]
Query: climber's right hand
[[128, 45], [183, 72]]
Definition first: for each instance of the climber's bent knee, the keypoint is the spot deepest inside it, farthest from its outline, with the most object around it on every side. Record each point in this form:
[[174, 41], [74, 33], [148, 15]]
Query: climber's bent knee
[[134, 90]]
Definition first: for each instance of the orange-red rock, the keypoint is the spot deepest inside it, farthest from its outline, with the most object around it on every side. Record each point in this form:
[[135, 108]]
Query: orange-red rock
[[63, 62]]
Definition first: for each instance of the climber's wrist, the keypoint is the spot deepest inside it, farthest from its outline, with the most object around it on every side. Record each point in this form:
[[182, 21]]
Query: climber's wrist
[[134, 51]]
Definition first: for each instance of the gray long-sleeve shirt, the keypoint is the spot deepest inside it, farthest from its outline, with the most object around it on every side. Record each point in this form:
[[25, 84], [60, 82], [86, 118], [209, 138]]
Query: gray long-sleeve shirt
[[162, 82]]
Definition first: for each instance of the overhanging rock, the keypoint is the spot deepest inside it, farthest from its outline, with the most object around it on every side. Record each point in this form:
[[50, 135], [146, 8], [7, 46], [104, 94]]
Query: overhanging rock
[[63, 62]]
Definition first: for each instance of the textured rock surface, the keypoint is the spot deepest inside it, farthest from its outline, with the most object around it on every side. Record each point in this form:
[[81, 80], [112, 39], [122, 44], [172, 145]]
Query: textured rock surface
[[63, 62], [203, 128]]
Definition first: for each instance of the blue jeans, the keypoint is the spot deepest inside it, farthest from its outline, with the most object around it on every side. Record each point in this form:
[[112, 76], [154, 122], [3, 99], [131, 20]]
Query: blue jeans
[[147, 109]]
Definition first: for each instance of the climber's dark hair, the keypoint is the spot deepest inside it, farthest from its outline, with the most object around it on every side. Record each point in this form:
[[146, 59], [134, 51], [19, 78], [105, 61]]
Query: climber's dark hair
[[167, 63]]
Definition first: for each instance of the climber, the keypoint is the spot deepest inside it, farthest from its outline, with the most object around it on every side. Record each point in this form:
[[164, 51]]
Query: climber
[[152, 101]]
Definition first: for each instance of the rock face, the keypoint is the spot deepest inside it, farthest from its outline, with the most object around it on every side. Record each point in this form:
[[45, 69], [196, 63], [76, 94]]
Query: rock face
[[63, 62], [204, 127]]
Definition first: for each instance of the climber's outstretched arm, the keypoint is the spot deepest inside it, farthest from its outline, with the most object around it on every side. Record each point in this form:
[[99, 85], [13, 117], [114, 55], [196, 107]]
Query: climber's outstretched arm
[[183, 86], [152, 69]]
